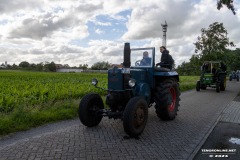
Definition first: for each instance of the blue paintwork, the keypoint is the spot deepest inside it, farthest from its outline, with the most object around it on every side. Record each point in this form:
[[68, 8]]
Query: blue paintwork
[[145, 78], [166, 74], [144, 90], [115, 79]]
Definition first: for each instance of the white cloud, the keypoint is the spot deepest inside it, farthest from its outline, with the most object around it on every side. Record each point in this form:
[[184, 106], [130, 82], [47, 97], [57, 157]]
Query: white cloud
[[103, 23], [99, 31], [39, 31]]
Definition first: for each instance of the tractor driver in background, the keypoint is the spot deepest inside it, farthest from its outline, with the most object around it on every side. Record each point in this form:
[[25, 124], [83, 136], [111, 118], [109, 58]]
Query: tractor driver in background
[[205, 68], [221, 68], [146, 61]]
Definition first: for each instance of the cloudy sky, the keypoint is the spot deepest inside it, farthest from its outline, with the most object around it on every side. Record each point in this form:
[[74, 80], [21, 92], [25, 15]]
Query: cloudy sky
[[87, 31]]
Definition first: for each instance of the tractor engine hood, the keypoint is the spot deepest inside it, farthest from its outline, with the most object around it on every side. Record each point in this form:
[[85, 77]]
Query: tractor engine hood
[[118, 78]]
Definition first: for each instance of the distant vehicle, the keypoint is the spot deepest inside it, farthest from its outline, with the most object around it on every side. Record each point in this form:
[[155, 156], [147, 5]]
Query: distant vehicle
[[213, 75], [234, 75], [238, 72]]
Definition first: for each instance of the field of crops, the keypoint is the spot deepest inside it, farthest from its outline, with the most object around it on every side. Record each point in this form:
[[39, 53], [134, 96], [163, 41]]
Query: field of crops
[[30, 99], [34, 88]]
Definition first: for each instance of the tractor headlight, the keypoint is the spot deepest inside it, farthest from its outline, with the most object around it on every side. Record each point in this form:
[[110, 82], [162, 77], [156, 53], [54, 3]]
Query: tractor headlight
[[94, 81], [132, 82]]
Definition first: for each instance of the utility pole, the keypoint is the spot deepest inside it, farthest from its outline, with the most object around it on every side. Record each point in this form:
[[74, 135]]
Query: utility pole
[[164, 28]]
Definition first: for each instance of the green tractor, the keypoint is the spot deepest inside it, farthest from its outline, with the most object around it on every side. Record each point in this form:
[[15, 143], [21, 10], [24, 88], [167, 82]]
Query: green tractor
[[132, 89], [213, 75]]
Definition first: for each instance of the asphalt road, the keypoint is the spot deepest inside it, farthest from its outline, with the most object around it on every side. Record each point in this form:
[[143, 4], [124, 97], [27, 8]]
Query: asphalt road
[[223, 142], [178, 139]]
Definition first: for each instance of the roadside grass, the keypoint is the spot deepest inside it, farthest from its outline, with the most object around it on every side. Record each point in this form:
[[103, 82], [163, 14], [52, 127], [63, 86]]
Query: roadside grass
[[24, 117], [188, 82]]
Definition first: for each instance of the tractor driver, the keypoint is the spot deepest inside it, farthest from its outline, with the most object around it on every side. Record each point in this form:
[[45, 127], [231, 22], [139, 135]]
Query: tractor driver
[[205, 67], [146, 61]]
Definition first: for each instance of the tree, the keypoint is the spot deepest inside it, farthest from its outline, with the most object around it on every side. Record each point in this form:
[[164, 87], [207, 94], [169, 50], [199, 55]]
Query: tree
[[50, 67], [14, 66], [33, 66], [100, 66], [233, 59], [24, 64], [213, 42], [228, 3], [190, 68], [39, 66], [84, 66], [66, 66], [211, 45]]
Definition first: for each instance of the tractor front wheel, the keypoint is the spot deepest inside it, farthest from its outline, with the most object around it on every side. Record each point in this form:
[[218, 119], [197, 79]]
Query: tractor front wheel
[[167, 99], [88, 109], [135, 116]]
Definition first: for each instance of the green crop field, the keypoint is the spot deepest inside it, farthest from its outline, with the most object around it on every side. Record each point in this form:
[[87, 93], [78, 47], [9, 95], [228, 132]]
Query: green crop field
[[29, 99], [34, 88]]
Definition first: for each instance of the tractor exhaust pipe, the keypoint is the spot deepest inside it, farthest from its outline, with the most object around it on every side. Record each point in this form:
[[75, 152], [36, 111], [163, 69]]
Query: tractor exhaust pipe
[[126, 65], [126, 55]]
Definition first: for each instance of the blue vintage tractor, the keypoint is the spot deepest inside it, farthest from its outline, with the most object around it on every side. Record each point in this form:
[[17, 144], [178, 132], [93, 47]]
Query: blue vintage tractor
[[132, 90]]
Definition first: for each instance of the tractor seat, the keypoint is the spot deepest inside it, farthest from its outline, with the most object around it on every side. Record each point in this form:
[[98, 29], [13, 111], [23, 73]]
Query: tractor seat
[[161, 69]]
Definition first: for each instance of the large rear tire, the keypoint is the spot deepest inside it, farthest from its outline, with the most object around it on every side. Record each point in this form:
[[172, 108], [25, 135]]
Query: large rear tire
[[167, 99], [203, 86], [135, 116], [217, 87], [198, 86], [223, 83], [88, 109]]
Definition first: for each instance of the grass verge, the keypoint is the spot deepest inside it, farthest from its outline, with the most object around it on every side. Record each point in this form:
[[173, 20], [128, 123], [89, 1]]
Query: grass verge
[[188, 82], [26, 117]]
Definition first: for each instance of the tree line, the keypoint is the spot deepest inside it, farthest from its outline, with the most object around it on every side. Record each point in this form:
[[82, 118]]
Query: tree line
[[52, 67], [212, 45], [24, 65]]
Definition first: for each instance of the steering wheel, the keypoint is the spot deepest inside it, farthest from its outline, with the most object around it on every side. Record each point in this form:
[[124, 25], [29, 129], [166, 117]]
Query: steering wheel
[[137, 63]]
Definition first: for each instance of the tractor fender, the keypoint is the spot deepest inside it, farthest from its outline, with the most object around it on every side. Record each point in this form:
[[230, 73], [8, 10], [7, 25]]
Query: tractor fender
[[161, 75], [171, 73], [143, 90]]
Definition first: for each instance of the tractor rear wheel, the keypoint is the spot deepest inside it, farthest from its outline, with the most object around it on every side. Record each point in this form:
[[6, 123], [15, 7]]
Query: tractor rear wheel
[[167, 99], [88, 109], [135, 116], [223, 84], [203, 86], [217, 87], [198, 85]]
